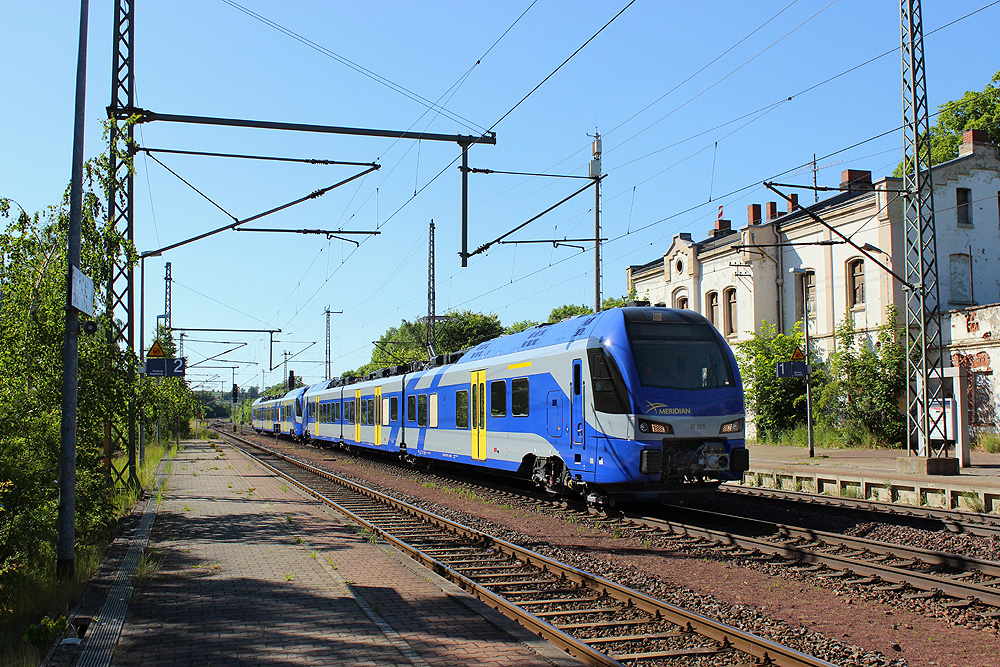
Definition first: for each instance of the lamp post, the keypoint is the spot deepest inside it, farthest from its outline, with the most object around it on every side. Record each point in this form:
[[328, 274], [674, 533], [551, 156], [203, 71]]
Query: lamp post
[[802, 273]]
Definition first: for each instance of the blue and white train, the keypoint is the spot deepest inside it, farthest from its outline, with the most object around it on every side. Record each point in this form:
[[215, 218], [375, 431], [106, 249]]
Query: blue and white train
[[628, 403]]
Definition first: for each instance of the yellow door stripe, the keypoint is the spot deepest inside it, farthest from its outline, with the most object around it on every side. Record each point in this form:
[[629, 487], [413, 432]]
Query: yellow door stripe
[[523, 364]]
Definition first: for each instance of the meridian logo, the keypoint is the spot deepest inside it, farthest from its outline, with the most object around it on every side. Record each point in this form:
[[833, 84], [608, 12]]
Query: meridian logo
[[662, 409]]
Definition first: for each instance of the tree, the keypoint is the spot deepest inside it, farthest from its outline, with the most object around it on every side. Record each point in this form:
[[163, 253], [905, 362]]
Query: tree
[[861, 401], [408, 342], [464, 328], [518, 327], [569, 310], [973, 111], [32, 324], [777, 404]]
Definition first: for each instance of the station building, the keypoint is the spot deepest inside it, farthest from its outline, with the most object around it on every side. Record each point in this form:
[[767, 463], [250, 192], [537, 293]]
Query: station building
[[783, 263]]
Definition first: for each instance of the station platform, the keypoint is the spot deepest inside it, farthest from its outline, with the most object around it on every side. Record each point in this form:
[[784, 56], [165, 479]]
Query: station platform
[[242, 568], [874, 474]]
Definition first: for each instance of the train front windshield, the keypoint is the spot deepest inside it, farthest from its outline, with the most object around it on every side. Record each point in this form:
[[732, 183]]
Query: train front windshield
[[676, 355]]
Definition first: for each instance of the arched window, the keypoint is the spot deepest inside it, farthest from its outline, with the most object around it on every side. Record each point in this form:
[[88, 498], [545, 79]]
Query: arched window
[[729, 298], [680, 298], [712, 299], [856, 283]]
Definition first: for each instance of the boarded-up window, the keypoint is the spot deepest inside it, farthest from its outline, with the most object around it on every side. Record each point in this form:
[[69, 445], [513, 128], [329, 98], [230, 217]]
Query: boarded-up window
[[961, 279]]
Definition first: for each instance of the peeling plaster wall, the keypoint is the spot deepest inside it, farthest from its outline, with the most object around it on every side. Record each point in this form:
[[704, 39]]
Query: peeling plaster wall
[[972, 339]]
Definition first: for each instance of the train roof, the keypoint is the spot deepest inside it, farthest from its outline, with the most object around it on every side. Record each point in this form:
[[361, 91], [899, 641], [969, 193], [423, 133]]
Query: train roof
[[576, 328], [292, 393], [580, 327]]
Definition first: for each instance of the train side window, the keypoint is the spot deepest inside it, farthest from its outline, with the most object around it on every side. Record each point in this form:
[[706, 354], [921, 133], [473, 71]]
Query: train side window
[[434, 411], [462, 409], [350, 410], [519, 397], [336, 411], [498, 398], [394, 409], [371, 411], [384, 414], [411, 408], [364, 411], [422, 410]]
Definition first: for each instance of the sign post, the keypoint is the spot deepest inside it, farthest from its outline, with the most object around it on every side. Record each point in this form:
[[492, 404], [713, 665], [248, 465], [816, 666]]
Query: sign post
[[799, 368]]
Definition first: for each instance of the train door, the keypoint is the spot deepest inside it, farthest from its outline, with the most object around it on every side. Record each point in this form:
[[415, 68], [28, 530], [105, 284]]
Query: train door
[[478, 412], [378, 416], [576, 421], [357, 415]]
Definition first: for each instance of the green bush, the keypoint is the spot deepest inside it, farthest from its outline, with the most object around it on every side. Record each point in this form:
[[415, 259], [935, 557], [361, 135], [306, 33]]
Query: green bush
[[988, 441]]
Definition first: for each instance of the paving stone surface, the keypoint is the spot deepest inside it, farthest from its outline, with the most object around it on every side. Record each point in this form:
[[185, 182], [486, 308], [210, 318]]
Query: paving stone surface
[[254, 572]]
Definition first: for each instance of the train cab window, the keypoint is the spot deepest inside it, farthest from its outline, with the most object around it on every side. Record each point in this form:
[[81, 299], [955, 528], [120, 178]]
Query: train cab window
[[462, 409], [683, 356], [498, 398], [411, 408], [433, 416], [422, 410], [394, 409], [519, 397], [606, 383], [371, 411]]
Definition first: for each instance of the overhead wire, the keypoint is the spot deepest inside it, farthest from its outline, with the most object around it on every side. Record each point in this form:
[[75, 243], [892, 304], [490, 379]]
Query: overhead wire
[[355, 66], [560, 66]]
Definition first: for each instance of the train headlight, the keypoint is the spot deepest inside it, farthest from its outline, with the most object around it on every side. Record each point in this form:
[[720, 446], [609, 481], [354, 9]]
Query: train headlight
[[735, 426], [646, 426]]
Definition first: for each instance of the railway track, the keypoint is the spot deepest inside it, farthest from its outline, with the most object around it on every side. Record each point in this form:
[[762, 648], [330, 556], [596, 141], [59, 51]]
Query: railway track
[[952, 580], [594, 619], [889, 567], [972, 523]]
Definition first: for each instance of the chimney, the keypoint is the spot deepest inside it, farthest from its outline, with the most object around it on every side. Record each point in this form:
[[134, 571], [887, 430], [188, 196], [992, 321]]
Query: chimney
[[771, 210], [722, 228], [971, 139], [792, 204], [856, 179], [753, 214]]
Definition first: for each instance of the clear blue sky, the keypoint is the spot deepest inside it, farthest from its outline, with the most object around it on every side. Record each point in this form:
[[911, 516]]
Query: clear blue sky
[[665, 84]]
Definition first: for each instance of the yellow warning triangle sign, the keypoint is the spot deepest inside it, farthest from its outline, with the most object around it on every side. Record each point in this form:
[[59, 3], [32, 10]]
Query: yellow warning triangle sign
[[796, 355], [157, 351]]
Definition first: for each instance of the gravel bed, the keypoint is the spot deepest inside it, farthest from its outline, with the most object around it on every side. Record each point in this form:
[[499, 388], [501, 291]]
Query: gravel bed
[[831, 521], [839, 622]]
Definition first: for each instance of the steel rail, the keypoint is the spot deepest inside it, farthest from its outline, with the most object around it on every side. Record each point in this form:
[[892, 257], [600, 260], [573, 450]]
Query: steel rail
[[955, 521], [761, 649], [954, 588]]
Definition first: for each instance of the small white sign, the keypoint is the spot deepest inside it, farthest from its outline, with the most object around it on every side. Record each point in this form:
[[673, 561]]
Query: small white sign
[[82, 297]]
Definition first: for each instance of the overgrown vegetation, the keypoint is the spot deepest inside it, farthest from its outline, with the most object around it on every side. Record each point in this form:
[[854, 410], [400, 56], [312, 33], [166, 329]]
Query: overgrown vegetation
[[856, 392], [33, 269]]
